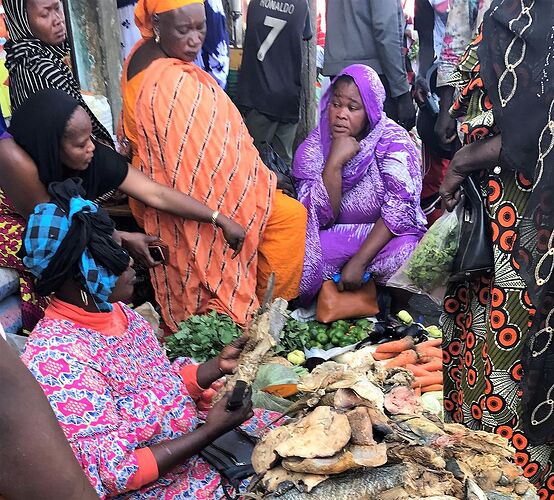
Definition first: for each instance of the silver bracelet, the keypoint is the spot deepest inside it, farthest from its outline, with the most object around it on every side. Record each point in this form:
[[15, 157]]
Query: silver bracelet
[[215, 215]]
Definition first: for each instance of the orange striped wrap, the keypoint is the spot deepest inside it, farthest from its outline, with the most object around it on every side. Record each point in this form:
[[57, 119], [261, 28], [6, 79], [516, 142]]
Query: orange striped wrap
[[192, 138]]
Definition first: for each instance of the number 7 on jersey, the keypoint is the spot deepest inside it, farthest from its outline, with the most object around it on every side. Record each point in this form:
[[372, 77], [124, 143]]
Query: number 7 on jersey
[[276, 26]]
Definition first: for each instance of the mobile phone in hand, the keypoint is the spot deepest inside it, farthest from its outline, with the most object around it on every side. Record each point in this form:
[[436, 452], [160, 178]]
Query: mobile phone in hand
[[159, 252], [237, 396]]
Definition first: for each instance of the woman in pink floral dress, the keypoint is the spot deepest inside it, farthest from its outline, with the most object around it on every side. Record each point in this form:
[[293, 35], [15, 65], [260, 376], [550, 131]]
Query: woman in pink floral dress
[[129, 415]]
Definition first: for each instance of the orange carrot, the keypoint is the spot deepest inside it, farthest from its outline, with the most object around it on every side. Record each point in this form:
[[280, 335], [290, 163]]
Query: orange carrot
[[431, 343], [382, 356], [403, 359], [433, 378], [423, 360], [432, 388], [428, 351], [431, 366], [418, 370], [397, 346]]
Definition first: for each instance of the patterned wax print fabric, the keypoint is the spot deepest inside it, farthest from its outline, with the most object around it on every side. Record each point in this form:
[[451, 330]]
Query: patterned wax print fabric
[[382, 181], [464, 19], [12, 226], [115, 394], [486, 322], [214, 56], [130, 34]]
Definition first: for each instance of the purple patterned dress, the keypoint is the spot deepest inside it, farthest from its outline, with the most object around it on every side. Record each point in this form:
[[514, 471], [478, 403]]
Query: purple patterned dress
[[382, 181]]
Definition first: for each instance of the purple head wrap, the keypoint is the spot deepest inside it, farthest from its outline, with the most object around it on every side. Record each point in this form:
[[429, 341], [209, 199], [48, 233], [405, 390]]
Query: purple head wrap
[[372, 93], [382, 181]]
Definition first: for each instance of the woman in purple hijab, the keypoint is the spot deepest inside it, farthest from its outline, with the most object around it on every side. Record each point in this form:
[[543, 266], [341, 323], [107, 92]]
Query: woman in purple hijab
[[358, 175]]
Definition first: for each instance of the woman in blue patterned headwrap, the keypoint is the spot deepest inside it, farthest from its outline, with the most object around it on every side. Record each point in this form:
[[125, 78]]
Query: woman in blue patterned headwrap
[[129, 415], [72, 235]]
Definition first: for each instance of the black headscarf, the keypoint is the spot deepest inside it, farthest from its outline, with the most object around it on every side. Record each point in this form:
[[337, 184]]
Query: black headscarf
[[517, 66], [72, 234], [34, 65], [38, 126]]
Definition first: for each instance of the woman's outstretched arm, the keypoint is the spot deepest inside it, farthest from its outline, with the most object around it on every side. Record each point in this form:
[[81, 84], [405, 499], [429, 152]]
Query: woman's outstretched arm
[[144, 189]]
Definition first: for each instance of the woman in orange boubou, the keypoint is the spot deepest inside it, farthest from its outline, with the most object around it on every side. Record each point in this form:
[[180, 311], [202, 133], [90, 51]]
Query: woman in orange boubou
[[185, 132]]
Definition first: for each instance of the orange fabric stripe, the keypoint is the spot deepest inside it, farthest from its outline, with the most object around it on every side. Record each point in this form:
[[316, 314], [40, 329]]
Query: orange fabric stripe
[[282, 248], [113, 323], [189, 374], [192, 137]]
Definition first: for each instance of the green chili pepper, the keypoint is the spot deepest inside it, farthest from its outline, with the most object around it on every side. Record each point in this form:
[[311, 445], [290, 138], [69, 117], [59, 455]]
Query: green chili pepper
[[322, 338]]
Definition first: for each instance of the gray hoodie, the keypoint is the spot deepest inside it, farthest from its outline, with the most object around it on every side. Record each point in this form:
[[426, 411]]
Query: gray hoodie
[[367, 32]]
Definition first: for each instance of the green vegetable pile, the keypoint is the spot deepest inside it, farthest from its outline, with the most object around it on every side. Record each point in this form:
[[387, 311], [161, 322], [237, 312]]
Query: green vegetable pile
[[202, 337], [297, 335], [294, 337], [431, 262]]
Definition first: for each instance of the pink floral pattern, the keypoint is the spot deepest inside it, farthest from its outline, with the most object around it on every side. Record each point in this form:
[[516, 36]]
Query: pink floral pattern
[[115, 394]]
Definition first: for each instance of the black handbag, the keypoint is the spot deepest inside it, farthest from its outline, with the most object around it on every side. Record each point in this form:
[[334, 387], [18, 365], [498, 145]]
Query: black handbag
[[276, 164], [475, 255], [231, 456]]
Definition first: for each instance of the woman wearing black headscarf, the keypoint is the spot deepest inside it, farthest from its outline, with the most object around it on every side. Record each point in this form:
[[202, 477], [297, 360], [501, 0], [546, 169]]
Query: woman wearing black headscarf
[[499, 347], [37, 54], [37, 57], [54, 132]]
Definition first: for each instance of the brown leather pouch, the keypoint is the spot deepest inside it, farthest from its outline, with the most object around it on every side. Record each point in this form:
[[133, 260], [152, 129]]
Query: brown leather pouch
[[333, 305]]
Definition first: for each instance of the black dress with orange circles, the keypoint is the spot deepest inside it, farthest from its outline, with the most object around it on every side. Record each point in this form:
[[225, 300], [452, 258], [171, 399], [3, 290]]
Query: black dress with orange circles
[[486, 322]]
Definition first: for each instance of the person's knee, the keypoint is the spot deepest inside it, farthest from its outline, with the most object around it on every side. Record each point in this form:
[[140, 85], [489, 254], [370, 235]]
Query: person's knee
[[289, 212], [298, 215]]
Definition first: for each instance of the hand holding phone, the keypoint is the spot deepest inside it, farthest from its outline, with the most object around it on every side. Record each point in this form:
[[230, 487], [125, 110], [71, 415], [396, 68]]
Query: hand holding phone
[[237, 396], [159, 251]]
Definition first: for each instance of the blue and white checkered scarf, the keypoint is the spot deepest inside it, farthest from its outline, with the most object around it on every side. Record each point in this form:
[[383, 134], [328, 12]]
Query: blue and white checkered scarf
[[70, 233]]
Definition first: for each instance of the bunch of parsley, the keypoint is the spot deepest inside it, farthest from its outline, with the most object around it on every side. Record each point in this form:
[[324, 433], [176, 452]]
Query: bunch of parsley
[[202, 337]]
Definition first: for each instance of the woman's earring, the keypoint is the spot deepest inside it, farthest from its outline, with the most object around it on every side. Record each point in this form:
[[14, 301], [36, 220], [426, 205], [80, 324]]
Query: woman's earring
[[84, 297], [157, 37]]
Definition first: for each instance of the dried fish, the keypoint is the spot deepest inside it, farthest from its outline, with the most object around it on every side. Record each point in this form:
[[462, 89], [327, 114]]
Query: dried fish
[[473, 492], [352, 457], [302, 482], [328, 376], [263, 335], [362, 484], [422, 455], [341, 433], [322, 433], [345, 399], [402, 400], [362, 429], [416, 429], [264, 455]]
